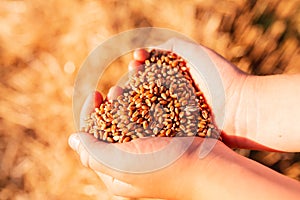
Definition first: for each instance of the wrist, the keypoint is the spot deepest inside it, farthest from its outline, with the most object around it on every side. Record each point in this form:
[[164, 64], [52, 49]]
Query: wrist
[[273, 113], [245, 116], [209, 172], [267, 109], [241, 178], [235, 106]]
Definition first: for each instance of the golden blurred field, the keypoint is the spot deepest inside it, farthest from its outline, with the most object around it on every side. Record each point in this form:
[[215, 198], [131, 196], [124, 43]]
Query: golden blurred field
[[44, 43]]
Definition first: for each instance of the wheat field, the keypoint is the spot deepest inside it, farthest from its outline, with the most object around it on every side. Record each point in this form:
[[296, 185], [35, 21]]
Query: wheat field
[[44, 43]]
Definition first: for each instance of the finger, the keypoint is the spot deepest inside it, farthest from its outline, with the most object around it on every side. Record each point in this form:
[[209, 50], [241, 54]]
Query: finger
[[167, 46], [119, 178], [178, 46], [79, 146], [114, 92], [74, 142], [244, 143], [118, 188], [198, 55], [135, 66], [91, 102], [98, 99], [139, 155], [141, 55], [115, 197], [189, 50]]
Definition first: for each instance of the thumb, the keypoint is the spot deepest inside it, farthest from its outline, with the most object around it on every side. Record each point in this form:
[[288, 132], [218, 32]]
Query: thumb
[[92, 101], [74, 142], [118, 188]]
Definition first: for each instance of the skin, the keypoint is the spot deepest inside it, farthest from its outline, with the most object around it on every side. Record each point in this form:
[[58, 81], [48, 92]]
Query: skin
[[271, 116], [222, 173], [260, 111]]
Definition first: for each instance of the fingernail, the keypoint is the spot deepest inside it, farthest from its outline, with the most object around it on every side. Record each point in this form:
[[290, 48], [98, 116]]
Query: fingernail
[[74, 142]]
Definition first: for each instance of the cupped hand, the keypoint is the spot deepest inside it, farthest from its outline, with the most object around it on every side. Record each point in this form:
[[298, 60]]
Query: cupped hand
[[130, 174], [230, 90], [124, 168]]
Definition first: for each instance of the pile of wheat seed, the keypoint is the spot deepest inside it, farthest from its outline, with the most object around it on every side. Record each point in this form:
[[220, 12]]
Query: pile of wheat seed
[[160, 100]]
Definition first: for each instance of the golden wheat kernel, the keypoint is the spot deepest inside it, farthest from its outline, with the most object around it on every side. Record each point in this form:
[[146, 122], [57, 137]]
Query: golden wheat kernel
[[104, 135], [148, 102], [130, 126], [182, 127], [136, 113], [152, 85], [204, 106], [138, 105], [152, 59], [155, 130], [183, 120], [168, 132], [153, 98], [103, 126], [181, 114], [163, 134], [171, 108], [133, 137], [121, 138], [147, 62], [163, 102], [144, 112], [204, 114], [144, 107], [107, 130], [140, 120], [145, 124], [129, 133], [140, 135], [208, 133], [155, 90], [125, 130], [184, 102], [172, 115], [189, 133], [120, 125], [165, 122], [159, 63], [116, 138], [152, 125], [126, 139], [164, 96], [109, 139], [169, 126], [145, 86], [158, 81], [177, 105], [113, 128], [198, 93]]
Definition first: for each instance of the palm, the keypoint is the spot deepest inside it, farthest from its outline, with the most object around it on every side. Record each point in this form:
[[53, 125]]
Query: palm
[[165, 157], [232, 82]]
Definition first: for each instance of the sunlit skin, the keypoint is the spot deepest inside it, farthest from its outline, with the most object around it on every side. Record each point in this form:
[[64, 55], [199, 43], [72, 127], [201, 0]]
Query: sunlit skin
[[222, 174]]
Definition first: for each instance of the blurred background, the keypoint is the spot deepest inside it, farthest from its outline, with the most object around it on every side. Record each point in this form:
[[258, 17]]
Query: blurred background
[[44, 43]]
